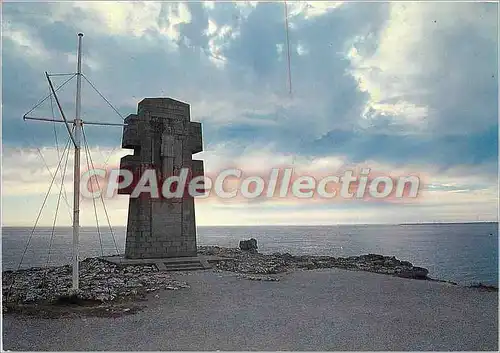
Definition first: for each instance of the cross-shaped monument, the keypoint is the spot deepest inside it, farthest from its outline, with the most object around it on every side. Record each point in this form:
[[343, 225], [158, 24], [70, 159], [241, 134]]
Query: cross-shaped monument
[[163, 138]]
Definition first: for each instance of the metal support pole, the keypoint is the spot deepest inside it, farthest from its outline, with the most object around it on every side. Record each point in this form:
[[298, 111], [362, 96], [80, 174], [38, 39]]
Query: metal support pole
[[83, 123], [76, 186]]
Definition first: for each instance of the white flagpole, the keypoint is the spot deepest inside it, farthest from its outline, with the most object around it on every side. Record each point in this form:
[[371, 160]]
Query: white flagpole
[[76, 186], [76, 139]]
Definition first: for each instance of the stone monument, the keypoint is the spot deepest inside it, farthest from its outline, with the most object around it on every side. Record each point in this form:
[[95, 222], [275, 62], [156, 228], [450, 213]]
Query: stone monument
[[164, 139]]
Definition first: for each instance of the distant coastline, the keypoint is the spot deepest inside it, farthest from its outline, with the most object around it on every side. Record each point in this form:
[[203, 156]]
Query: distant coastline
[[285, 225], [447, 223]]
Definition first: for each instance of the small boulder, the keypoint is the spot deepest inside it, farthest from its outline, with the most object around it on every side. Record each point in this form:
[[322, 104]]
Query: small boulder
[[373, 257], [415, 273], [249, 245], [406, 264]]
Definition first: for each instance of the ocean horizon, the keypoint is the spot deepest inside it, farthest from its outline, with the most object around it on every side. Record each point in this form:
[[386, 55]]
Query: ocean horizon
[[465, 253]]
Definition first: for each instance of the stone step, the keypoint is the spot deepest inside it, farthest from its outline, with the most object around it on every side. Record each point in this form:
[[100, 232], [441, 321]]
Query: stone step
[[169, 264], [183, 266], [181, 262]]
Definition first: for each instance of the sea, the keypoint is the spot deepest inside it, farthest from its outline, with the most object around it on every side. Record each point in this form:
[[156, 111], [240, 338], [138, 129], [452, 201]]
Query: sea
[[466, 253]]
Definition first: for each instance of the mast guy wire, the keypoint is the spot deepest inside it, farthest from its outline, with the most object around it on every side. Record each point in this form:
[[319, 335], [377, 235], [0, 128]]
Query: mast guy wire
[[101, 197], [55, 215], [104, 98], [41, 208], [87, 153], [61, 111], [43, 100]]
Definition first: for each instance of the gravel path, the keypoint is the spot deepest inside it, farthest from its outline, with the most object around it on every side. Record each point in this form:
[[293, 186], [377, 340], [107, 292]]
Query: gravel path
[[326, 309]]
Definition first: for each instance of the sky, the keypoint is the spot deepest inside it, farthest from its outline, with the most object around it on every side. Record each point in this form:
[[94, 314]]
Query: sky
[[401, 87]]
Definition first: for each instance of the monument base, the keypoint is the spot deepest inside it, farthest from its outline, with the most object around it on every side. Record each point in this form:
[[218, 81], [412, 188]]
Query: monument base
[[168, 263], [133, 255]]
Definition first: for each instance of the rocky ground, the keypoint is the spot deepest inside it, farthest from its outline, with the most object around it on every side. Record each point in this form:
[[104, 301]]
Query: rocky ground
[[252, 263], [113, 288], [103, 285]]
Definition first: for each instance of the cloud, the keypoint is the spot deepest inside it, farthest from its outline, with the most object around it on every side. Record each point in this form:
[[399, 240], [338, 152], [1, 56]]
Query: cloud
[[24, 43], [417, 71]]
